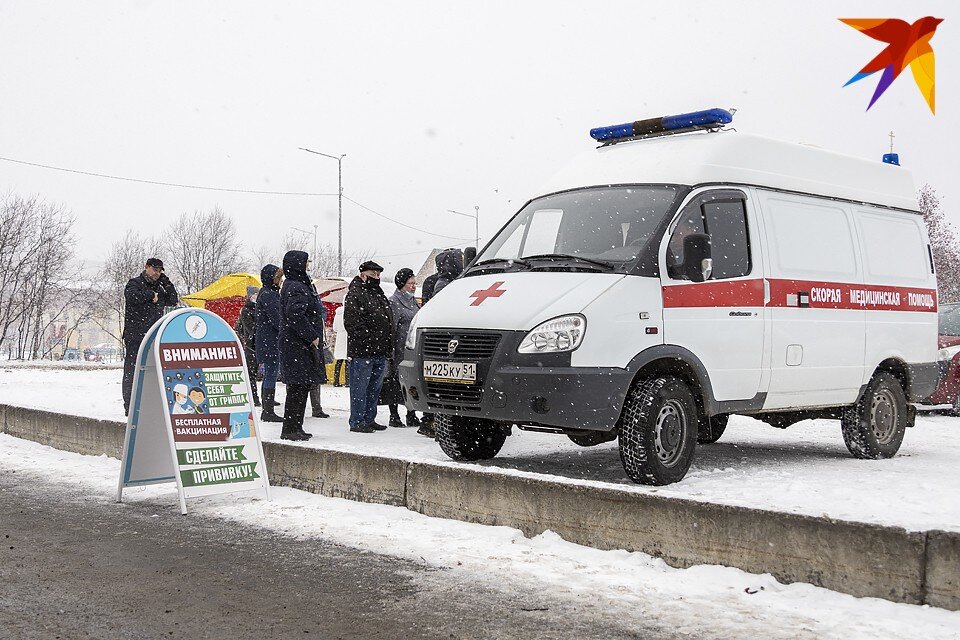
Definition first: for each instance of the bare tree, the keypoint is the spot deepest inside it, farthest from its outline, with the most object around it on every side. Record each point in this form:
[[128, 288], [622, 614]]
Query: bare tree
[[202, 248], [943, 241], [36, 245], [124, 261]]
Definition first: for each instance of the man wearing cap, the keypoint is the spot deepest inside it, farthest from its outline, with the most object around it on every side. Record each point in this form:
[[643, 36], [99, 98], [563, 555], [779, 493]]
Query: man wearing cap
[[369, 322], [144, 299]]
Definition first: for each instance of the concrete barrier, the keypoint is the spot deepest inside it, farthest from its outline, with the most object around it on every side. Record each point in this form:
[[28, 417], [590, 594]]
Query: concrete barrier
[[69, 433], [859, 559], [942, 582], [336, 473]]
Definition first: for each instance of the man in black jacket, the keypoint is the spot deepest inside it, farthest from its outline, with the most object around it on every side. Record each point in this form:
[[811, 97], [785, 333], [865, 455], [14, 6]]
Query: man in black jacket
[[145, 297], [369, 323]]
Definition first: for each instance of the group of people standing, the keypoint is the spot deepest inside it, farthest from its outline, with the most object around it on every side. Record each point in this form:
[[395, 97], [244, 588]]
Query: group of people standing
[[281, 327]]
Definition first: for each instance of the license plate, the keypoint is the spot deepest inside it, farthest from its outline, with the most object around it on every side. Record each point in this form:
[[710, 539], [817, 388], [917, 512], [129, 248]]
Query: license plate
[[455, 372]]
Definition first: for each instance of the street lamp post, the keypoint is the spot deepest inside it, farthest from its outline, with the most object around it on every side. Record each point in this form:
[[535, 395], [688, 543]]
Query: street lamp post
[[339, 160], [476, 221]]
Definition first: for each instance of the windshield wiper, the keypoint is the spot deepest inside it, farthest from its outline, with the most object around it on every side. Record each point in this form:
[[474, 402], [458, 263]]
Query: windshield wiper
[[507, 261], [566, 256]]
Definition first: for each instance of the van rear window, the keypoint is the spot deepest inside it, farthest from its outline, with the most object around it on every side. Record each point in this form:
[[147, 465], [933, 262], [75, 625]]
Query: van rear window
[[811, 239]]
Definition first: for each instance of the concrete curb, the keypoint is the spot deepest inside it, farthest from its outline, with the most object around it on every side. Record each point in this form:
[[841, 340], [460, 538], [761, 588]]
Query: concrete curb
[[859, 559], [854, 558]]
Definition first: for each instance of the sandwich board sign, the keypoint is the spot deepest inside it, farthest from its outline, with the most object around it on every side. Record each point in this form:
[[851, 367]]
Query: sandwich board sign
[[191, 421]]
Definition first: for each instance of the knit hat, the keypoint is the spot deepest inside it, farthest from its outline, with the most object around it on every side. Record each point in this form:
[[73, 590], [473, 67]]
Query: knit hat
[[252, 291], [402, 276]]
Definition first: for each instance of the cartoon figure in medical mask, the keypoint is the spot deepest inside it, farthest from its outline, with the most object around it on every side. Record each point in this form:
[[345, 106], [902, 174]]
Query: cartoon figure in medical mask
[[180, 402]]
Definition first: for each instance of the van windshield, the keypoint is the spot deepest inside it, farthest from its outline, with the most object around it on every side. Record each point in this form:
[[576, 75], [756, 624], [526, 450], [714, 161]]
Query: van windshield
[[594, 229]]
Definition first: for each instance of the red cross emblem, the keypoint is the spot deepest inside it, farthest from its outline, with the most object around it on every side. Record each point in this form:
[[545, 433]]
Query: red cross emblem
[[483, 294]]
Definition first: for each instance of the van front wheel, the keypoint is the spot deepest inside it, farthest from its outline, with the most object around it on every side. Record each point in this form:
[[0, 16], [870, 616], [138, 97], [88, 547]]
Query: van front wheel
[[658, 431], [468, 438], [874, 427]]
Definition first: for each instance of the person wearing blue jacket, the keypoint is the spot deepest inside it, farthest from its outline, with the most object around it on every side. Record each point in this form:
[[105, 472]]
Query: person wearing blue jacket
[[267, 340], [301, 341]]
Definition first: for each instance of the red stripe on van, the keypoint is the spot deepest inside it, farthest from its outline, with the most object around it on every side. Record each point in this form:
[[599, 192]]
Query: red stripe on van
[[842, 295], [719, 293], [793, 293]]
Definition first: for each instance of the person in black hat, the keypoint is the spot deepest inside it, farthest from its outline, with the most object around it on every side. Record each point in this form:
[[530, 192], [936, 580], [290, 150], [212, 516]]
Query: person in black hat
[[369, 323], [144, 300], [403, 304]]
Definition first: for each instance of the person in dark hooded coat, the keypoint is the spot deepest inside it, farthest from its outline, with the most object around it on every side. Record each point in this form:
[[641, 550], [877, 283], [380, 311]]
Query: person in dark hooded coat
[[267, 342], [449, 268], [246, 328], [301, 341]]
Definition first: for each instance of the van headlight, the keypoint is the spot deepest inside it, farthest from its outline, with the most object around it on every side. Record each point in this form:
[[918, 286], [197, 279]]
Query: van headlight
[[947, 353], [411, 341], [553, 336]]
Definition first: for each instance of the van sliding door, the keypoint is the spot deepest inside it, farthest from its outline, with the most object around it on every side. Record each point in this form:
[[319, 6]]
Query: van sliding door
[[817, 332]]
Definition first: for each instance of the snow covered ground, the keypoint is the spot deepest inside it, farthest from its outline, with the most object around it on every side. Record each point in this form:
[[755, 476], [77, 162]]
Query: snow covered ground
[[804, 469], [703, 601]]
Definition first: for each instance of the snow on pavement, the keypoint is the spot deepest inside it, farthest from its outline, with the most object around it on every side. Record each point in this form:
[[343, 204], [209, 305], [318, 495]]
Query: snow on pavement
[[804, 469], [700, 600]]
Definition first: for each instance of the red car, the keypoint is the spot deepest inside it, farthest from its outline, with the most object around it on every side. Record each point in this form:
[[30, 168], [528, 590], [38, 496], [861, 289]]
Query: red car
[[949, 358]]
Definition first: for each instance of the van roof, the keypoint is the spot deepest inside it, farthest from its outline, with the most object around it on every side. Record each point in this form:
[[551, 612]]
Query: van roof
[[740, 158]]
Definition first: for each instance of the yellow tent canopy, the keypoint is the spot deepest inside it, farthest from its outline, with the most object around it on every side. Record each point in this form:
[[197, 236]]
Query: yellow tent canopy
[[231, 285]]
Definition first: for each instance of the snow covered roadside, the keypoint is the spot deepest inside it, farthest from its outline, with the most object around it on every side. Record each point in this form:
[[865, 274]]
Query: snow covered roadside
[[697, 601], [805, 469]]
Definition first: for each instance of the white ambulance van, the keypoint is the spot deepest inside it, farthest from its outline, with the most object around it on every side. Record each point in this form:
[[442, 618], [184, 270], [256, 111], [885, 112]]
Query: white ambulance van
[[676, 275]]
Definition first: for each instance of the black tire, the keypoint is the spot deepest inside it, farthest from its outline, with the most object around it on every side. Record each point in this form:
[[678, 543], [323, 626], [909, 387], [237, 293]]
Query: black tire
[[592, 438], [874, 427], [467, 438], [955, 411], [658, 431], [711, 429]]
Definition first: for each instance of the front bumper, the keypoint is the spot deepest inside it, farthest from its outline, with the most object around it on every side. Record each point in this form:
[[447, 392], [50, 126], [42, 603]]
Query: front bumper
[[526, 389]]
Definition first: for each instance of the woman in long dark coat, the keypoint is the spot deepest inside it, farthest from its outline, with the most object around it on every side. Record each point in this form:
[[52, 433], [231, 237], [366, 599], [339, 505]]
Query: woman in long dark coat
[[301, 342], [404, 305], [267, 342]]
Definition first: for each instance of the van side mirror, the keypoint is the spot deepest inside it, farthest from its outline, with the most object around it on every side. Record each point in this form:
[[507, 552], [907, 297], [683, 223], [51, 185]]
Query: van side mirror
[[469, 255], [697, 261]]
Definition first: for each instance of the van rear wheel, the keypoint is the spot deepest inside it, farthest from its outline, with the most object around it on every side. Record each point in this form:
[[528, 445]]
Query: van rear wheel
[[467, 438], [658, 431], [874, 427]]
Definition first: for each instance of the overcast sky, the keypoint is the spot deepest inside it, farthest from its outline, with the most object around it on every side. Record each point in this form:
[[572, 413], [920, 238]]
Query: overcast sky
[[438, 105]]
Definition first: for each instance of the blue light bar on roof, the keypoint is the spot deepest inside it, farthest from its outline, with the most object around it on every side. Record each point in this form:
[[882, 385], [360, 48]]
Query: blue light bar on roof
[[704, 119]]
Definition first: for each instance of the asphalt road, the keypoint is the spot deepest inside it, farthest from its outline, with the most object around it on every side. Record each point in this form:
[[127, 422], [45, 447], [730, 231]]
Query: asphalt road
[[76, 566]]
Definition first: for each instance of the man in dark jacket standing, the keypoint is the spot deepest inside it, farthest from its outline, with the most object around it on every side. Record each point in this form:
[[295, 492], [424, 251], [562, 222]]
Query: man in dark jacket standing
[[369, 324], [301, 342], [246, 328], [144, 299]]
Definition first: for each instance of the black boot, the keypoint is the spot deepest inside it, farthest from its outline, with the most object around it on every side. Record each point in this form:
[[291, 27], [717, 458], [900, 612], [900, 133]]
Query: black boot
[[395, 421], [317, 409], [253, 388], [293, 420], [412, 419], [268, 415]]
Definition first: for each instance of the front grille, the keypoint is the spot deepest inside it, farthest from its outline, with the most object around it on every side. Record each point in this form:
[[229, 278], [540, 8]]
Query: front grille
[[472, 346]]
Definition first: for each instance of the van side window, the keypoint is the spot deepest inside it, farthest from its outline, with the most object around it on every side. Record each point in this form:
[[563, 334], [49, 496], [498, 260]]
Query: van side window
[[725, 222]]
